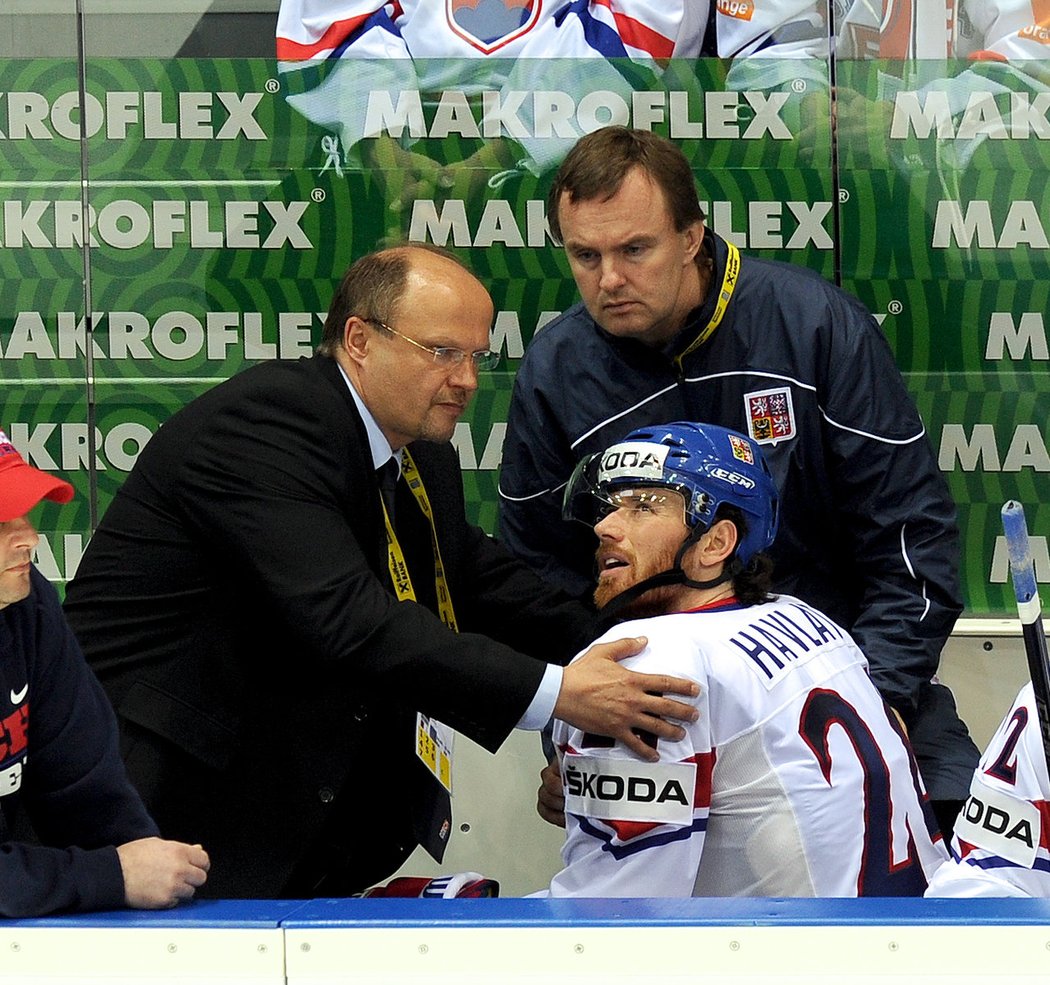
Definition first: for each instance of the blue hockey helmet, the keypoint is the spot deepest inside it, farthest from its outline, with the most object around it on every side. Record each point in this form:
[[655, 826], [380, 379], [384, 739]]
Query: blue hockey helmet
[[709, 465]]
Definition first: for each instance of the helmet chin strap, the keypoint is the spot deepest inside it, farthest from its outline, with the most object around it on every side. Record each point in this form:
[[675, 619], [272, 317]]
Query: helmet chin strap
[[675, 575]]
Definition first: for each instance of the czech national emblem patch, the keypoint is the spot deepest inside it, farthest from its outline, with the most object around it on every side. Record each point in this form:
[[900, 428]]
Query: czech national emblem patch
[[490, 24], [742, 449], [770, 417]]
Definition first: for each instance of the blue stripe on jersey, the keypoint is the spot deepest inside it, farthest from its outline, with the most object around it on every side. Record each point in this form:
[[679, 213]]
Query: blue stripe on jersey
[[599, 36], [380, 19], [997, 862], [640, 844]]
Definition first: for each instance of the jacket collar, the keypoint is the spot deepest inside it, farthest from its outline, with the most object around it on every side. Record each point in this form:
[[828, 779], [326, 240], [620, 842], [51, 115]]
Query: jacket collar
[[333, 374], [716, 249]]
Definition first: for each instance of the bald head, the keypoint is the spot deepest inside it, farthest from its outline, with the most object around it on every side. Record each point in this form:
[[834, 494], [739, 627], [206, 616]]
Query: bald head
[[375, 284], [414, 318]]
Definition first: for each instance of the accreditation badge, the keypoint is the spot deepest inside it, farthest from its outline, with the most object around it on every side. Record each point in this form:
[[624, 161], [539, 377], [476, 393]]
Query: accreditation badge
[[434, 747]]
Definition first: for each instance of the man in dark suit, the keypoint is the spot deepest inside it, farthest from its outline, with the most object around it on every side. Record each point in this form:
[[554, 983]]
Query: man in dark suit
[[270, 632]]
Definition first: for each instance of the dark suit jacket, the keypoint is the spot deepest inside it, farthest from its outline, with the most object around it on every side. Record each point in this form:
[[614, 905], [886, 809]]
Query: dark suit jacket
[[235, 603]]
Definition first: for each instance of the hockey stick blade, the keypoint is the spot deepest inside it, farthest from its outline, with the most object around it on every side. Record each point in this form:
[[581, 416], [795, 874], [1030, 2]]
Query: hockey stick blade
[[1022, 573]]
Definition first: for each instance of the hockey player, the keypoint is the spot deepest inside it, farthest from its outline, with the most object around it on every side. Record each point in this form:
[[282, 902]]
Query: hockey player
[[342, 58], [498, 29], [647, 30], [796, 779], [1002, 838], [344, 61], [676, 323]]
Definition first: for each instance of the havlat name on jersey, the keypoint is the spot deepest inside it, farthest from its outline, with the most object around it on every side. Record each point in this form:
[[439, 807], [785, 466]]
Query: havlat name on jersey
[[628, 790], [776, 641]]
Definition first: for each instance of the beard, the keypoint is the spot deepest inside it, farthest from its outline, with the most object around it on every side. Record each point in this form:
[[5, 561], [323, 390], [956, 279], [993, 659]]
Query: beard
[[654, 602]]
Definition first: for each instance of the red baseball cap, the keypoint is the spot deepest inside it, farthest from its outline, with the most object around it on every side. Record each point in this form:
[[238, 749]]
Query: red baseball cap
[[22, 486]]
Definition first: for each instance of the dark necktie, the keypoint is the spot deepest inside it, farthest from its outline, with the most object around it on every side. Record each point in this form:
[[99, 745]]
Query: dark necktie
[[388, 474], [432, 822]]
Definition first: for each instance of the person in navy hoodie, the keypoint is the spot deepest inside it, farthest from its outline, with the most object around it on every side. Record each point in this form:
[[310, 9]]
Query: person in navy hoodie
[[95, 846]]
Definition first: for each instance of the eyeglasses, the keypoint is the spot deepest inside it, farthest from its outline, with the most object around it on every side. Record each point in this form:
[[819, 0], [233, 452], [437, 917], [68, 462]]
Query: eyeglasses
[[444, 355]]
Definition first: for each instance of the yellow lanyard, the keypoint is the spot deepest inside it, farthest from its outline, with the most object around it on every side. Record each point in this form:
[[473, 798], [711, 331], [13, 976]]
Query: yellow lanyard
[[399, 575], [732, 271]]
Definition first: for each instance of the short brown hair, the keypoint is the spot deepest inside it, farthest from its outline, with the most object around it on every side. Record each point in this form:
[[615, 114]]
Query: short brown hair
[[372, 289], [598, 164]]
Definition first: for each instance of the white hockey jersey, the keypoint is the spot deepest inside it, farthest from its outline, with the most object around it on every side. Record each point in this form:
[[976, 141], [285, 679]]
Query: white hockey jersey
[[520, 49], [1002, 838], [795, 781], [499, 28], [534, 29]]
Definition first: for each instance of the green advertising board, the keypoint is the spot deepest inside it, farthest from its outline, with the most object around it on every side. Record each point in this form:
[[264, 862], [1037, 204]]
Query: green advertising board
[[943, 237], [223, 200]]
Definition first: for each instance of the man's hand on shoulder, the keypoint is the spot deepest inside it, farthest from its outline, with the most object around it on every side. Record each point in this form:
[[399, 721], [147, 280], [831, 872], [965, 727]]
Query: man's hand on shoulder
[[598, 695], [159, 873]]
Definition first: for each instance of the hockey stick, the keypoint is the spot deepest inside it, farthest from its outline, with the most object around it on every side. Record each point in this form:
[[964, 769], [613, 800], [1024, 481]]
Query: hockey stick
[[1022, 573]]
